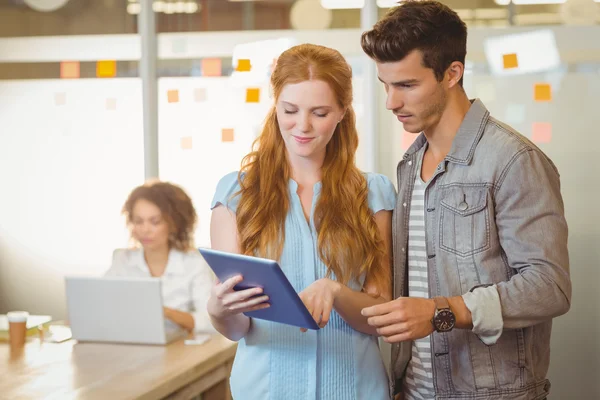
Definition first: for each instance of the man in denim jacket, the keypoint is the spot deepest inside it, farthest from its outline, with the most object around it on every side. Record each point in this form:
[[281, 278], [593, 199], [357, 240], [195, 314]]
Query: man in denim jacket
[[480, 240]]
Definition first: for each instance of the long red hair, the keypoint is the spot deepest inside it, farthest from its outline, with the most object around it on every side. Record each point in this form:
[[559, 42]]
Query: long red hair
[[349, 242]]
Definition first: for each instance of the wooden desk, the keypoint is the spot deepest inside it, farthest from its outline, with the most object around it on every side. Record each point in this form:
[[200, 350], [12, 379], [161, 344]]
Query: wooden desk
[[72, 370]]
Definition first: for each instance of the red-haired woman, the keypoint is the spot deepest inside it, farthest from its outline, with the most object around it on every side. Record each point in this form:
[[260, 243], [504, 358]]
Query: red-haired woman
[[299, 199]]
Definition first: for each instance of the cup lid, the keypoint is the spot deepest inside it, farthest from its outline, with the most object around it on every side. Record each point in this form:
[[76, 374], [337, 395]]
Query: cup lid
[[17, 316]]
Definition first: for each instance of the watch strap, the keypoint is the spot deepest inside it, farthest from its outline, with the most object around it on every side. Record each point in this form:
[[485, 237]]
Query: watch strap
[[441, 303]]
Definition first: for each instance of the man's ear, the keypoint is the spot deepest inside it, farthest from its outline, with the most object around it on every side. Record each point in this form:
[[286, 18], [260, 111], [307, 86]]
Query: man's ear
[[455, 73]]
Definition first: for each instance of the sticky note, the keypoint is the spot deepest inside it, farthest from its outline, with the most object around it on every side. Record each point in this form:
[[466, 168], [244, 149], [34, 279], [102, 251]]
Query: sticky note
[[243, 65], [111, 104], [541, 132], [408, 139], [211, 67], [515, 113], [60, 99], [227, 135], [106, 69], [200, 95], [186, 143], [510, 61], [173, 96], [178, 46], [542, 92], [485, 91], [252, 95], [69, 70]]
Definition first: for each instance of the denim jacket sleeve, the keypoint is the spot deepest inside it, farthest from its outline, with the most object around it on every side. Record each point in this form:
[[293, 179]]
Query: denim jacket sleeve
[[533, 234]]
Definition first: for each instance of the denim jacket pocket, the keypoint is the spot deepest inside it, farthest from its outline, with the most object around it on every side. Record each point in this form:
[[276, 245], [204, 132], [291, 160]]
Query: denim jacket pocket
[[464, 220]]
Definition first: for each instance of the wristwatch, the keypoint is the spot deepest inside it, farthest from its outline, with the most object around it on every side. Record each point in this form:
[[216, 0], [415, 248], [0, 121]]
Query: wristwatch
[[443, 319]]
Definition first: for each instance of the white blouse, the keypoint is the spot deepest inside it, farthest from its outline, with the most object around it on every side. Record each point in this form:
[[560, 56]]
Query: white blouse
[[186, 282]]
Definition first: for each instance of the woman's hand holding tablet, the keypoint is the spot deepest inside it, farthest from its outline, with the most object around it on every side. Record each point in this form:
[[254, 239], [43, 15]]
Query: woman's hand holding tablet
[[226, 301]]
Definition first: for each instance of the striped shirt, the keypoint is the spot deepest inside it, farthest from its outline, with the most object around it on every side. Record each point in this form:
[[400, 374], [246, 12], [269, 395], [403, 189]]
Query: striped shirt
[[418, 382]]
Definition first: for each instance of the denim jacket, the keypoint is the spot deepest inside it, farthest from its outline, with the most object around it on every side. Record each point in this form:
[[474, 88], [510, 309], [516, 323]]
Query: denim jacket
[[494, 215]]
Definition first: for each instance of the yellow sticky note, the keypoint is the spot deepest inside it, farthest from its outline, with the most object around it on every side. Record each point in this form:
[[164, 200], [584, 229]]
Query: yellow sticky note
[[510, 61], [69, 70], [173, 96], [106, 69], [542, 92], [253, 95], [227, 135], [211, 67], [186, 143], [243, 65]]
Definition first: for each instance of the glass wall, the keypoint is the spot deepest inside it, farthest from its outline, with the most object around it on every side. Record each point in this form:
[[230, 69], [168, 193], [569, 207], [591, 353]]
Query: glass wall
[[71, 143]]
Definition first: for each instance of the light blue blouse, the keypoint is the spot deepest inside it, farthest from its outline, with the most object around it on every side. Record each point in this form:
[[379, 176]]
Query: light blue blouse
[[276, 361]]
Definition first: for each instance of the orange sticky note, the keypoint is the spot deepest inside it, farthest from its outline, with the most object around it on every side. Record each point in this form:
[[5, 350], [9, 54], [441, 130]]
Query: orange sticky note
[[111, 104], [542, 92], [227, 135], [253, 95], [243, 65], [186, 143], [510, 61], [173, 96], [106, 69], [408, 139], [541, 132], [211, 67], [69, 70]]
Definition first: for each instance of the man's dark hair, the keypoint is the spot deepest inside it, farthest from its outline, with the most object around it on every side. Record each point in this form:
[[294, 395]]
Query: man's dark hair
[[428, 26]]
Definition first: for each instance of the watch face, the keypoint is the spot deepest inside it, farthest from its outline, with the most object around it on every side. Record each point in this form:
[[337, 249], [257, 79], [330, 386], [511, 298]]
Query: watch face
[[444, 321]]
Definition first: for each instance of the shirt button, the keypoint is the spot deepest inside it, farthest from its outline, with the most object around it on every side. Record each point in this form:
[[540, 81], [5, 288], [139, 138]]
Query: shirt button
[[403, 249], [410, 163], [404, 205]]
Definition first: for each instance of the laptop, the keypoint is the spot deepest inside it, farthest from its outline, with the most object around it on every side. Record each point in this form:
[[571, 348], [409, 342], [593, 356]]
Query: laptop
[[118, 310]]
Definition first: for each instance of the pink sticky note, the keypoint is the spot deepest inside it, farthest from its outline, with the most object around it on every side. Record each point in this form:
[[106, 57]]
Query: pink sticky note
[[111, 104], [200, 95], [60, 99], [186, 143], [541, 132], [408, 139]]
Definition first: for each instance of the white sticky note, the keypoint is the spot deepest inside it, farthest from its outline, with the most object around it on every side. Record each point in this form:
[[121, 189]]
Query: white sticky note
[[515, 113], [179, 46], [485, 91]]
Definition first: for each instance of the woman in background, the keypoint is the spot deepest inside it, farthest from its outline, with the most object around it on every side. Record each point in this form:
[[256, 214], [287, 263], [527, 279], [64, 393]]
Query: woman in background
[[162, 218]]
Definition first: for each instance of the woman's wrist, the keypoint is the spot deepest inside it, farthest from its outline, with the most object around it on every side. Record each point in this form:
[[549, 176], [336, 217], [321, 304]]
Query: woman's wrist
[[336, 289]]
